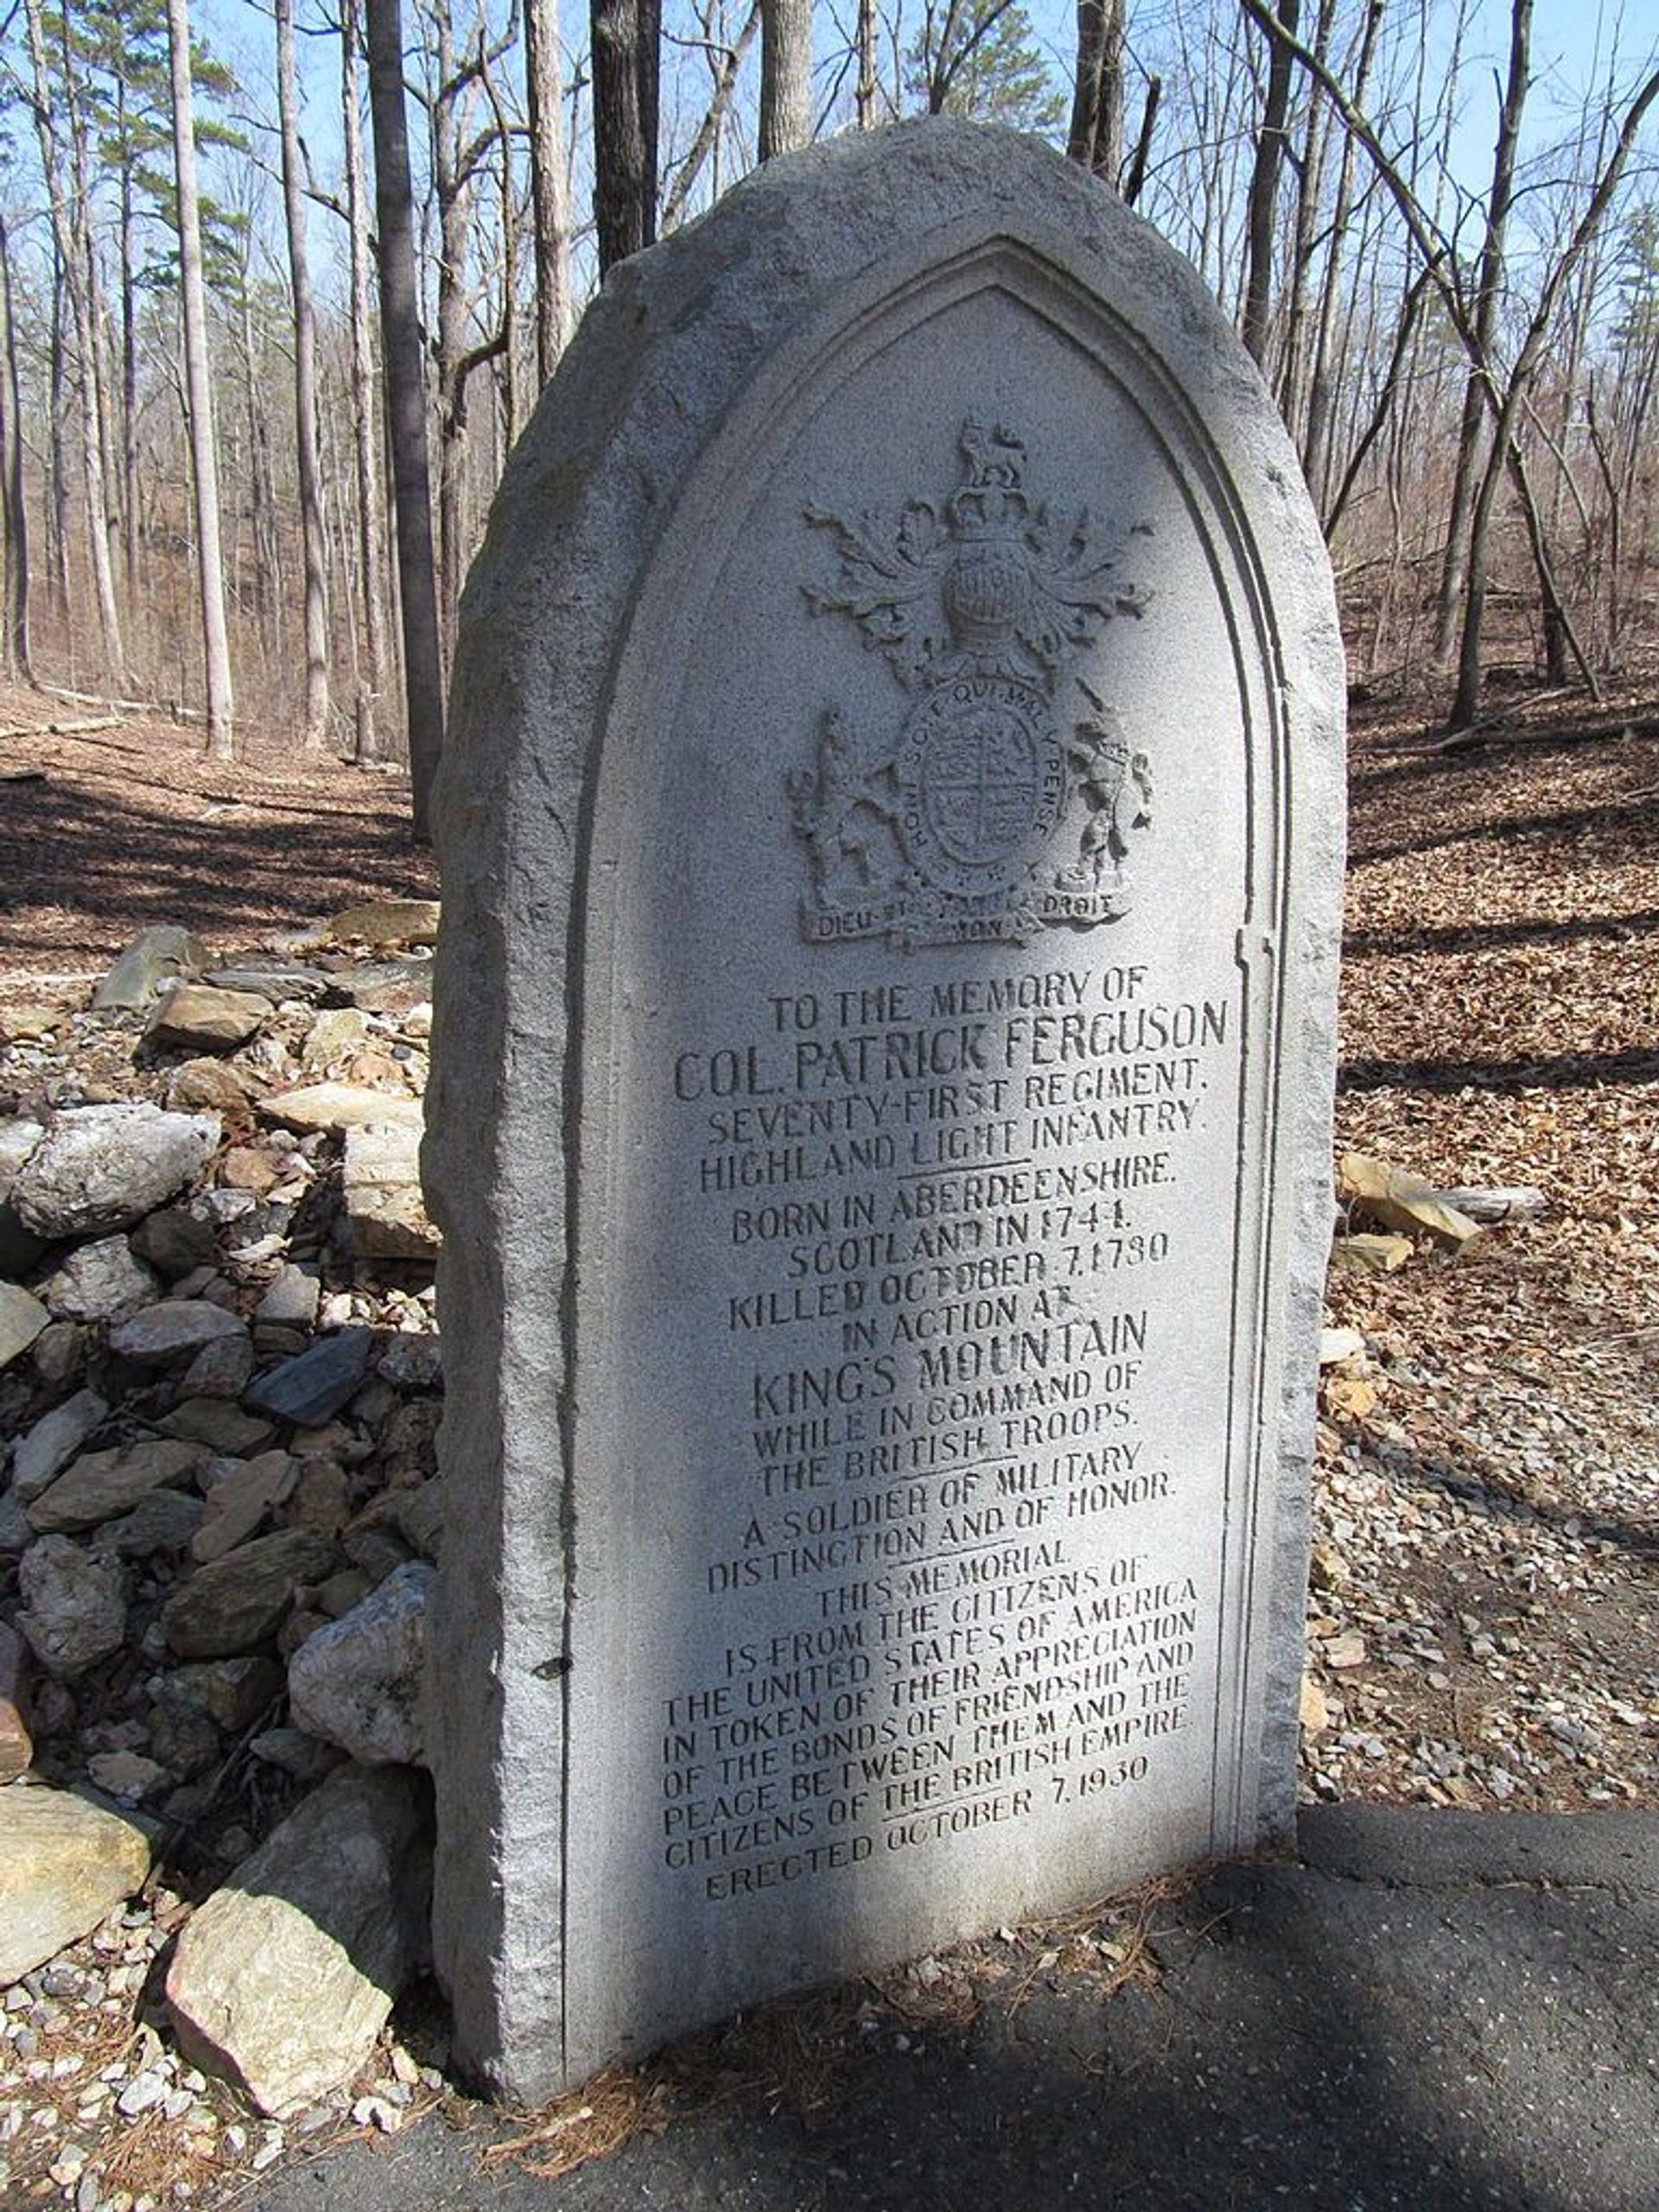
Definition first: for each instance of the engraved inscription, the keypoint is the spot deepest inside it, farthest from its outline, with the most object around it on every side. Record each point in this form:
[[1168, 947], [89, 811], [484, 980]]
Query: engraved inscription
[[1001, 807], [950, 1560]]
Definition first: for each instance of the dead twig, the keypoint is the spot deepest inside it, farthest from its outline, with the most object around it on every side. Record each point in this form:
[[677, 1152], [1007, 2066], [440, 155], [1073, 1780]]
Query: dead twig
[[232, 1762], [590, 2123]]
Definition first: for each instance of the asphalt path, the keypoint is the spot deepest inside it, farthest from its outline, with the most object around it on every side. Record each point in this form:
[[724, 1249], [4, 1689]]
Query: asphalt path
[[1432, 2011]]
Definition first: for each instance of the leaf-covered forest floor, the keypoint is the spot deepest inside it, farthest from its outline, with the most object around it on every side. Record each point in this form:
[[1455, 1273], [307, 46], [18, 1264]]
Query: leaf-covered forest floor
[[1485, 1590], [1486, 1561], [105, 831]]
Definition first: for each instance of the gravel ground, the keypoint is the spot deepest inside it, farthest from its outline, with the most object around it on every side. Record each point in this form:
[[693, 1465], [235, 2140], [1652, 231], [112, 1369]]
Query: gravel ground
[[1484, 1603], [99, 2111]]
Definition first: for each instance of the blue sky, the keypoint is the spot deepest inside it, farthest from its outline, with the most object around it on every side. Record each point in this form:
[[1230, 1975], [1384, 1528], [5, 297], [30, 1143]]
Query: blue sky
[[1572, 44]]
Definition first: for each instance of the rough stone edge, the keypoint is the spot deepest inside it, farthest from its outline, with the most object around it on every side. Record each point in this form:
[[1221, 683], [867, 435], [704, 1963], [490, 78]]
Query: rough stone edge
[[661, 357], [1314, 702]]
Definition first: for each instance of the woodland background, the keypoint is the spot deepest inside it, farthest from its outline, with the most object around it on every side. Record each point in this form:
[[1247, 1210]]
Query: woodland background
[[278, 291], [274, 302]]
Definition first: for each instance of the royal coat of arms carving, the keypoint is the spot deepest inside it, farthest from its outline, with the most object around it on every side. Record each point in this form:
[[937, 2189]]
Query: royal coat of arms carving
[[1007, 800]]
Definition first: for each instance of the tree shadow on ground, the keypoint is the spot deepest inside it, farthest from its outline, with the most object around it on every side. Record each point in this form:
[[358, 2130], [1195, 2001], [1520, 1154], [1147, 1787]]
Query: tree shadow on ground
[[1485, 936], [1407, 1470], [1433, 753], [1309, 2039], [1625, 830], [82, 868], [1559, 1072]]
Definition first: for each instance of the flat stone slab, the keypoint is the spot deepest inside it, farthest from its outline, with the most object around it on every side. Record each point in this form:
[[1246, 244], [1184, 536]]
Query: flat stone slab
[[274, 983], [100, 1484], [63, 1865], [387, 986], [154, 961], [100, 1281], [213, 1086], [74, 1609], [385, 1214], [173, 1329], [387, 921], [290, 1299], [163, 1524], [336, 1106], [47, 1449], [198, 1016], [238, 1507], [221, 1370], [284, 1978], [219, 1425], [21, 1318], [311, 1387], [232, 1605]]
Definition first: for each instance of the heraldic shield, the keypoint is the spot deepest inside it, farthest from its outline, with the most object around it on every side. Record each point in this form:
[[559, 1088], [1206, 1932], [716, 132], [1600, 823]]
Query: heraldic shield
[[987, 815]]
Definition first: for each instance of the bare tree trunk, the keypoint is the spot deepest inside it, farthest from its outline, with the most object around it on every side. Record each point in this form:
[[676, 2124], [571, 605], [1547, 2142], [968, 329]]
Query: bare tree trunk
[[1463, 570], [1557, 647], [57, 505], [129, 369], [785, 76], [707, 135], [315, 727], [626, 35], [203, 453], [864, 93], [1505, 400], [364, 395], [1096, 137], [1466, 701], [1309, 191], [452, 189], [508, 370], [68, 231], [16, 509], [1562, 643], [1315, 452], [400, 329], [101, 468], [261, 501], [1393, 376], [1264, 188], [1613, 489], [549, 204], [1143, 154]]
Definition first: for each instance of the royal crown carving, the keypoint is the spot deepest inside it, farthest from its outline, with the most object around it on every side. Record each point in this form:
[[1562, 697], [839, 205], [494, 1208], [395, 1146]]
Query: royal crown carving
[[1009, 798]]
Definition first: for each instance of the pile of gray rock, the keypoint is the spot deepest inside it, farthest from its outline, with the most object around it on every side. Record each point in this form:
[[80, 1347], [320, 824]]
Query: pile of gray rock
[[219, 1389]]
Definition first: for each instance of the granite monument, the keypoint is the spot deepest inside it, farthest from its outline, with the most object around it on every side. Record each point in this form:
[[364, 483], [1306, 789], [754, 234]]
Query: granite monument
[[891, 838]]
